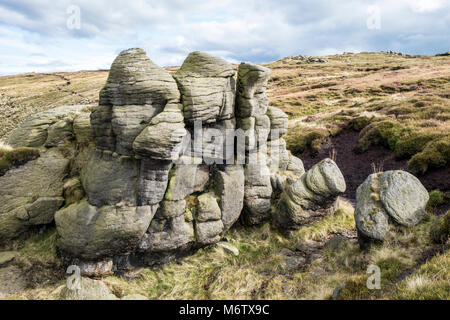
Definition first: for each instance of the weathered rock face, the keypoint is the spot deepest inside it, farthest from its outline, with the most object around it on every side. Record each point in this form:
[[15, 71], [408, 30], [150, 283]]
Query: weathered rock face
[[49, 127], [154, 171], [265, 149], [386, 198], [90, 232], [207, 88], [31, 194], [251, 108], [312, 196], [136, 91]]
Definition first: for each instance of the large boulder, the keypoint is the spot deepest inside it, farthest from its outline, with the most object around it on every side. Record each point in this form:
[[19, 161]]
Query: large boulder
[[388, 197], [135, 80], [137, 180], [403, 196], [311, 197], [371, 219]]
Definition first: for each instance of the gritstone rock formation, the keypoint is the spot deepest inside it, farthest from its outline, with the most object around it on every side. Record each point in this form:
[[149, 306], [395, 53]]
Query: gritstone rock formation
[[163, 165], [385, 198], [311, 197]]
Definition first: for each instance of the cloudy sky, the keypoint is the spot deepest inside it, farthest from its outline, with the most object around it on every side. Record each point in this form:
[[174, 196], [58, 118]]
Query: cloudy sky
[[70, 35]]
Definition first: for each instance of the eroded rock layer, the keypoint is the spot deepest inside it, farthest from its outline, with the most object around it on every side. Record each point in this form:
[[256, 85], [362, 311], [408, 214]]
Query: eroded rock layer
[[311, 197], [163, 165]]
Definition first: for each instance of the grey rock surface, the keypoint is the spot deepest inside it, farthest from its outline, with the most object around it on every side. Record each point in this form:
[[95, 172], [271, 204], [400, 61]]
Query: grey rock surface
[[403, 197], [165, 235], [91, 233], [310, 197], [26, 189], [208, 208], [109, 179], [207, 88], [391, 196], [33, 132], [229, 188], [126, 181], [162, 138]]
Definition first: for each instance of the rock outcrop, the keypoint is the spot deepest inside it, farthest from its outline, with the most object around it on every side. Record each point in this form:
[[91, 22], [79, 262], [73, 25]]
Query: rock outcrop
[[33, 192], [163, 165], [312, 196], [386, 198]]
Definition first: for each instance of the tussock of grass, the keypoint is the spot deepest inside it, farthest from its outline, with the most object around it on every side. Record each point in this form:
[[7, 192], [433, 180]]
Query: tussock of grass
[[427, 149], [385, 133], [430, 282], [10, 157], [40, 246], [299, 138], [440, 230], [340, 220], [436, 154], [436, 198]]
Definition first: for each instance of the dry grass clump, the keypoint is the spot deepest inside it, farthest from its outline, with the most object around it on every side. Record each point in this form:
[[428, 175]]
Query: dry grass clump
[[10, 157], [300, 138], [259, 273], [430, 282]]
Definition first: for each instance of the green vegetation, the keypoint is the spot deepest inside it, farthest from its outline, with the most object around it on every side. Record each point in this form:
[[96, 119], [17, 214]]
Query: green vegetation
[[339, 221], [436, 198], [259, 271], [436, 154], [430, 282], [299, 138], [10, 157], [404, 111], [385, 133], [440, 230]]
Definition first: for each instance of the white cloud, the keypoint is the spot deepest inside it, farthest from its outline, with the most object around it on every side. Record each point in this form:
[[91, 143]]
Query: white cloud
[[236, 30], [427, 5]]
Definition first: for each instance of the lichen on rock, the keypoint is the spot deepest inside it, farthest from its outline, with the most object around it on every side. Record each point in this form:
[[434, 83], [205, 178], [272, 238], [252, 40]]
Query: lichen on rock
[[385, 198]]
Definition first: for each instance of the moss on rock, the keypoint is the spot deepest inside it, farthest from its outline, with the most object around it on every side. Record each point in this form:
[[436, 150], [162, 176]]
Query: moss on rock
[[10, 158]]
